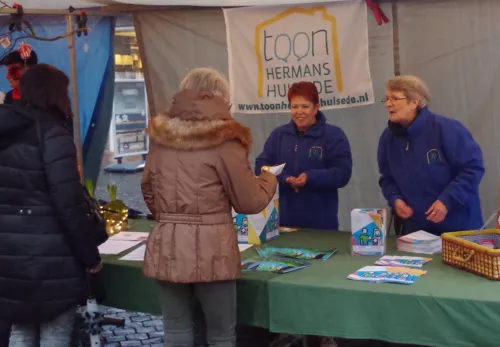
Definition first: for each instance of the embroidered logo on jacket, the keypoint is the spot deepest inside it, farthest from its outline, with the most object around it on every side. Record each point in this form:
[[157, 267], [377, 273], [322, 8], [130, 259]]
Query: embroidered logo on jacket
[[433, 156], [316, 152]]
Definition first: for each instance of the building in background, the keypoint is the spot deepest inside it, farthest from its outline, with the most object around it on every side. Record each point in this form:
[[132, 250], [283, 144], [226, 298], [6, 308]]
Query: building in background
[[127, 141]]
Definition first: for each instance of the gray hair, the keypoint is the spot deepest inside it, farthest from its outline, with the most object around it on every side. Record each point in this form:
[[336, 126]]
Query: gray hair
[[413, 87], [206, 80]]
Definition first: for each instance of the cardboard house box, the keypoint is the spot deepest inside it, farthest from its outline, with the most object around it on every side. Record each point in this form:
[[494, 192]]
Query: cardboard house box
[[369, 231], [258, 228]]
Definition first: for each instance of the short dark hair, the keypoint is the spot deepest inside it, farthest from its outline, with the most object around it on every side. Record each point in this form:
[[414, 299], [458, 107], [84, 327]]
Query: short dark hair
[[14, 57], [45, 87], [305, 89]]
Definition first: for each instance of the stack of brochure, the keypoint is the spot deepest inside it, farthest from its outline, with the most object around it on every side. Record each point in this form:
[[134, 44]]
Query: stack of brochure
[[278, 265], [387, 274], [394, 260], [420, 242], [283, 260], [296, 253]]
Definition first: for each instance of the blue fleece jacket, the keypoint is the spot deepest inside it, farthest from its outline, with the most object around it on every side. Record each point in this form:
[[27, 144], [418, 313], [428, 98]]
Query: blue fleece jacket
[[436, 158], [324, 155]]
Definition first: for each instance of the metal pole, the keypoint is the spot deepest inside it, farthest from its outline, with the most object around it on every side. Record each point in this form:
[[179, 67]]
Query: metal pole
[[28, 11], [110, 10], [75, 105], [145, 69]]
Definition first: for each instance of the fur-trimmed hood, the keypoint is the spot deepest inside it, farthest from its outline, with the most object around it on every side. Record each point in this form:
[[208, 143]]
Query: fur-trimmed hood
[[197, 120]]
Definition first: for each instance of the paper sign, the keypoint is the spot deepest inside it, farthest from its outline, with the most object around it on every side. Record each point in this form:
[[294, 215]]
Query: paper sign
[[136, 255], [5, 41], [277, 170], [130, 236], [272, 47], [116, 247]]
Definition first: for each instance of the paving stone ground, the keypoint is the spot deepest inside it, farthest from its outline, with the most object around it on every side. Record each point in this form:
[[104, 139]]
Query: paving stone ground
[[141, 329]]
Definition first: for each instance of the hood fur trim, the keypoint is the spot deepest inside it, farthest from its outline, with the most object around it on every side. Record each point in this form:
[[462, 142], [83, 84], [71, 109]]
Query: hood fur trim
[[194, 135]]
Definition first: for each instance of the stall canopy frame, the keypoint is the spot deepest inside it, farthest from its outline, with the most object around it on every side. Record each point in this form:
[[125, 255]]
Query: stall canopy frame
[[69, 14]]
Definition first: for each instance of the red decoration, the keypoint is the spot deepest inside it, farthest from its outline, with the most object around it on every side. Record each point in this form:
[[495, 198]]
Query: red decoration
[[25, 50], [377, 11], [16, 94]]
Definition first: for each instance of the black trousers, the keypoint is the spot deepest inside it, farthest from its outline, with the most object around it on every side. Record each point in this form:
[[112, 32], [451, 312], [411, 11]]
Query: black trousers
[[4, 334], [398, 225]]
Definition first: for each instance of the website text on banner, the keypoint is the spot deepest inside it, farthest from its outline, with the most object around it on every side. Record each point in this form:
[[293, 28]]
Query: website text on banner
[[272, 47]]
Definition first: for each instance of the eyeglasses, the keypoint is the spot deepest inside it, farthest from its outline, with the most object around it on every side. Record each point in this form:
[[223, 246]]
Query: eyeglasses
[[392, 99], [229, 105]]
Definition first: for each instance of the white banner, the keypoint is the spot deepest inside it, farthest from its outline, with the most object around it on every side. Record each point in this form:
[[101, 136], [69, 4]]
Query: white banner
[[208, 3], [270, 48]]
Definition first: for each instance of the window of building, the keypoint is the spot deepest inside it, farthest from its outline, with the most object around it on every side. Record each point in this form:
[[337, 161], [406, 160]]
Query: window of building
[[127, 141]]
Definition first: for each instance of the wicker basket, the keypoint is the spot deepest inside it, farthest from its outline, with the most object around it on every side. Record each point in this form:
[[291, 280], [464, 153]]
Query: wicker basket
[[463, 250]]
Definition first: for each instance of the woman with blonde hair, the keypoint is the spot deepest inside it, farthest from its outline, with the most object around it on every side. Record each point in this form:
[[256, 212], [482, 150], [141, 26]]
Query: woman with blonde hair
[[430, 165], [196, 171]]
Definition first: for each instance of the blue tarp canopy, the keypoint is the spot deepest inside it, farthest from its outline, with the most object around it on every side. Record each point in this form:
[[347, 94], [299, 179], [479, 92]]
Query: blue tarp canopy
[[95, 69]]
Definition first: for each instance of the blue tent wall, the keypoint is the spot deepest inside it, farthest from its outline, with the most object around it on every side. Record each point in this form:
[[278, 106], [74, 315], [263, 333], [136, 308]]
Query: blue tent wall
[[97, 134], [95, 66]]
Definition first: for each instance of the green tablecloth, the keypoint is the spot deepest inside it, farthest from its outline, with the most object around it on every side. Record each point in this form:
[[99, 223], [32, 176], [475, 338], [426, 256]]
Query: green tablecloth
[[445, 307], [128, 289]]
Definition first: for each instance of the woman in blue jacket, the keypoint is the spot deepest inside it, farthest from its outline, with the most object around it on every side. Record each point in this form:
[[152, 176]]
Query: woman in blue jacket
[[430, 165], [318, 162]]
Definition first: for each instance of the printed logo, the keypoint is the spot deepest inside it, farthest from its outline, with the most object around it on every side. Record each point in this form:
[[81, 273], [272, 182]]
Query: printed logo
[[316, 152], [298, 54], [433, 156]]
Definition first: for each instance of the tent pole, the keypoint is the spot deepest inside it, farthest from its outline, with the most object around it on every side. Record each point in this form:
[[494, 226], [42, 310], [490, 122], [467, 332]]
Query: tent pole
[[395, 38], [74, 94], [27, 11], [145, 68]]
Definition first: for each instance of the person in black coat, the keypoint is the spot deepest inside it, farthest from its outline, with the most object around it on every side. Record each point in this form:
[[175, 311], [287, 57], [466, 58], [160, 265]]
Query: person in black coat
[[46, 245], [4, 334]]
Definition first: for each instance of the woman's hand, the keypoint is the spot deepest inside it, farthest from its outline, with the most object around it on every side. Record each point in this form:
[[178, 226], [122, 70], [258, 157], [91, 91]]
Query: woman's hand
[[297, 182], [96, 269], [437, 212], [402, 209], [290, 181], [301, 180]]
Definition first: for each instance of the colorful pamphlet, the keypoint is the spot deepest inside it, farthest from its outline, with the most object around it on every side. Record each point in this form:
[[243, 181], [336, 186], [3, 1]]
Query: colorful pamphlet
[[369, 230], [278, 265], [296, 253], [394, 260], [387, 274]]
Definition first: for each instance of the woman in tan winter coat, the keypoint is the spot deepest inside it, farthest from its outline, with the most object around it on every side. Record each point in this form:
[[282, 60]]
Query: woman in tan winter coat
[[197, 169]]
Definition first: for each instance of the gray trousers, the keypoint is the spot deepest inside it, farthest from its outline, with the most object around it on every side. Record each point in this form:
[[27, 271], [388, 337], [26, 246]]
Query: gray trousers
[[218, 302], [55, 333]]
